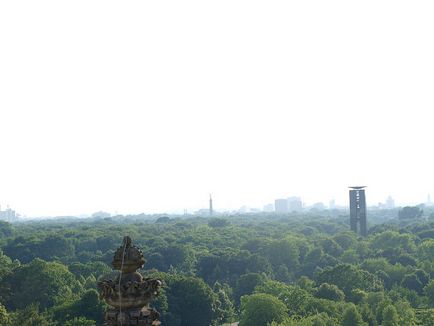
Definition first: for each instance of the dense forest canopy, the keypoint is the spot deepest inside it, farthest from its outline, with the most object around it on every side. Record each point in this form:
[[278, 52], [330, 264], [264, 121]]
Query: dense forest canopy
[[258, 269]]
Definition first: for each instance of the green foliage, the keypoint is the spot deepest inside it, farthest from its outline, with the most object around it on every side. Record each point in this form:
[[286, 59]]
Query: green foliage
[[425, 317], [51, 247], [5, 265], [390, 316], [259, 309], [30, 316], [426, 250], [352, 317], [80, 321], [321, 319], [412, 282], [348, 277], [283, 252], [96, 269], [87, 306], [219, 223], [6, 229], [246, 284], [330, 292], [295, 298], [191, 301], [225, 308], [392, 240], [406, 313], [306, 262], [5, 319], [410, 212], [429, 292], [45, 283]]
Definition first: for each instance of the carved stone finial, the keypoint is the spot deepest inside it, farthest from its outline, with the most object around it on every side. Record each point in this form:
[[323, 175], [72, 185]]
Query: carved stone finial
[[129, 293], [128, 258]]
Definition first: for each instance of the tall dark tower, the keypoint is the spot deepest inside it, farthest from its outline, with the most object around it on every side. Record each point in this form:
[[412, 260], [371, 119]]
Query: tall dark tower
[[358, 210], [210, 205]]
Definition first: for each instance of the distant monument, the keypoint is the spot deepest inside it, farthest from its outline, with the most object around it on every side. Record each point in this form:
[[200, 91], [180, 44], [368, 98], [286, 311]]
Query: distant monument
[[358, 209], [129, 294], [210, 205]]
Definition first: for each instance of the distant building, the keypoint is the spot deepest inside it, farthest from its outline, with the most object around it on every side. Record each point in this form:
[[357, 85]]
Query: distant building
[[268, 208], [281, 206], [101, 214], [295, 204], [390, 203], [8, 215], [332, 204], [210, 205], [290, 204], [318, 206]]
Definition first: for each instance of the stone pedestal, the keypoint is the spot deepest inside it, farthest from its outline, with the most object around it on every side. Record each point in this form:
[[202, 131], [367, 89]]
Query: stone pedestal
[[136, 317]]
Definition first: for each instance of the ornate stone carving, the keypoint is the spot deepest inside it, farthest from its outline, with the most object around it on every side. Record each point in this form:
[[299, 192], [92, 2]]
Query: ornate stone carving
[[130, 294]]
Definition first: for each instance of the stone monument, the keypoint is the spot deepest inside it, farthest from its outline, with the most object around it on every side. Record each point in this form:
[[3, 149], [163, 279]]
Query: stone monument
[[129, 294]]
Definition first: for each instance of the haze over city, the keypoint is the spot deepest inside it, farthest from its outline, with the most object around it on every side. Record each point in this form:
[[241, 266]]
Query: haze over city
[[151, 110]]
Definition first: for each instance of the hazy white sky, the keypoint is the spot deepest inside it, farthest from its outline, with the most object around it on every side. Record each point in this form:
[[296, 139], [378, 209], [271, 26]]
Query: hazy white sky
[[147, 106]]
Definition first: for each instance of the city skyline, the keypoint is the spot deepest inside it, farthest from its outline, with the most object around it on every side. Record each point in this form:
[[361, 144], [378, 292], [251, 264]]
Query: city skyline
[[387, 203], [152, 111]]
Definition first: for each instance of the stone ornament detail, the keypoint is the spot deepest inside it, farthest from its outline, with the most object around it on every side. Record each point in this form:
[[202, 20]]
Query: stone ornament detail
[[130, 294]]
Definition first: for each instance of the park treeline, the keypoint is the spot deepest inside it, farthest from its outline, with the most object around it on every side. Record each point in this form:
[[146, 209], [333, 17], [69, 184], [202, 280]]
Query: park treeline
[[259, 269]]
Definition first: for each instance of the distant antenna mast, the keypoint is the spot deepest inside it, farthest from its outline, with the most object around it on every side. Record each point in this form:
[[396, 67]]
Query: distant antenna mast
[[210, 205]]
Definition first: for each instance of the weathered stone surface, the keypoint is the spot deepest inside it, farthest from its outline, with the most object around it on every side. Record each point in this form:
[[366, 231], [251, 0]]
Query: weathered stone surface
[[129, 294]]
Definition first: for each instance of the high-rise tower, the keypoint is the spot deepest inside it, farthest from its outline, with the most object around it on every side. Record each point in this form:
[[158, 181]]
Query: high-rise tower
[[358, 210], [210, 205]]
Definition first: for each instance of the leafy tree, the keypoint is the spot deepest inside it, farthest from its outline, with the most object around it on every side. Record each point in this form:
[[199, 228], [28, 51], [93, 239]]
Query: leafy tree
[[283, 252], [425, 317], [410, 212], [30, 316], [178, 256], [352, 317], [163, 220], [88, 306], [331, 247], [259, 309], [246, 284], [225, 307], [295, 298], [350, 256], [405, 260], [5, 319], [429, 292], [6, 229], [426, 250], [96, 268], [390, 316], [321, 319], [330, 292], [219, 223], [406, 313], [392, 240], [80, 321], [191, 301], [412, 282], [348, 277], [45, 283], [346, 240], [6, 264]]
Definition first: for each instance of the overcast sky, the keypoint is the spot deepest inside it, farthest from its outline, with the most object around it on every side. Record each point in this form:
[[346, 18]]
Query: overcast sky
[[148, 106]]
